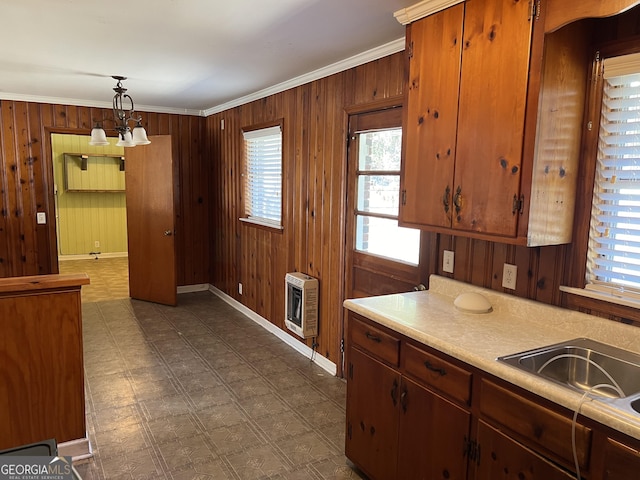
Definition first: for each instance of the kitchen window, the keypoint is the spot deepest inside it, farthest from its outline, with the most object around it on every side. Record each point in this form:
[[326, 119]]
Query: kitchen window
[[613, 257], [262, 176]]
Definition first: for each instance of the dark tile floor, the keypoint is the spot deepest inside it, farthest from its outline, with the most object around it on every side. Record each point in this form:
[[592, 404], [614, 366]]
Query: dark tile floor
[[200, 391]]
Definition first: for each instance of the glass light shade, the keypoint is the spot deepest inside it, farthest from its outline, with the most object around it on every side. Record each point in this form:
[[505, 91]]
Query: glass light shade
[[125, 140], [140, 135], [98, 136]]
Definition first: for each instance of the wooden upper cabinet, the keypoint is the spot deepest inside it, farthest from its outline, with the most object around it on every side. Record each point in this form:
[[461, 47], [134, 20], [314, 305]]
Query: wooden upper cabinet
[[493, 123], [493, 92], [431, 117], [465, 114]]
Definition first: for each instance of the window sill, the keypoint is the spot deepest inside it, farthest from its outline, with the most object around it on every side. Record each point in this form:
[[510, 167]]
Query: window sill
[[259, 223], [605, 297]]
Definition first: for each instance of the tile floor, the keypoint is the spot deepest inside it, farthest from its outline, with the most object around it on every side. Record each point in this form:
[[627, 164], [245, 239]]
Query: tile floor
[[200, 391]]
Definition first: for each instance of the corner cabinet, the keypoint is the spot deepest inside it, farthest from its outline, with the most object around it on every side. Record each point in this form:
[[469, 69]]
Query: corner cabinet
[[477, 74]]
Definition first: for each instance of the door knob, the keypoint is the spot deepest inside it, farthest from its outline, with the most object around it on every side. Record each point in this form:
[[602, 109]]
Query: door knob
[[167, 233]]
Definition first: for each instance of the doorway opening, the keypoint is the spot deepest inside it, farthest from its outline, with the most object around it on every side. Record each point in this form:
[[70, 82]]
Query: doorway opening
[[90, 214]]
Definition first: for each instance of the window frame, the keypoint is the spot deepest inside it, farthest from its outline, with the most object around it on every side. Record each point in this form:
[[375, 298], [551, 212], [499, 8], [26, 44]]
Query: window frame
[[246, 218], [579, 296]]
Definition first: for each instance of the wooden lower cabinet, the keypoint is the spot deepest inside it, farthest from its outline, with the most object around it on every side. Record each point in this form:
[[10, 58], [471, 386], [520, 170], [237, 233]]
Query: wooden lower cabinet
[[405, 408], [414, 413], [501, 457], [372, 416], [432, 437], [621, 462], [399, 429]]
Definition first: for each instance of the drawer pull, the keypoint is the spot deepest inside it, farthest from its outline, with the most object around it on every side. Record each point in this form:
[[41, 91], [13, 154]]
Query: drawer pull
[[373, 337], [394, 393], [441, 371]]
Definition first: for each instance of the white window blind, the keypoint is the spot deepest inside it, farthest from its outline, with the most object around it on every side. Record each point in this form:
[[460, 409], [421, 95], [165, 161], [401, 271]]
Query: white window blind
[[613, 260], [263, 175]]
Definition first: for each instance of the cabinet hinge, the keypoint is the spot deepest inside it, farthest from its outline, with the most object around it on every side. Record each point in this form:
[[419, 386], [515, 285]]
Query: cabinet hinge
[[535, 10], [349, 430], [350, 370], [410, 51], [518, 204], [404, 197], [471, 449]]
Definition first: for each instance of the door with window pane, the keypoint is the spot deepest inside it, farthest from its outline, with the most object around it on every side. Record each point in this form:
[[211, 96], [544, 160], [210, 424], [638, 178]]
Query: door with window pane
[[381, 256]]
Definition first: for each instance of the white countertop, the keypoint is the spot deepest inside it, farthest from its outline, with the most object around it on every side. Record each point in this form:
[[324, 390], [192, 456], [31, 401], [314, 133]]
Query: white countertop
[[514, 325]]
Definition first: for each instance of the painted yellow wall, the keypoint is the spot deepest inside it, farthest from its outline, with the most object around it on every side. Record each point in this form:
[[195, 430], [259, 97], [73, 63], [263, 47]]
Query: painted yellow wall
[[86, 217]]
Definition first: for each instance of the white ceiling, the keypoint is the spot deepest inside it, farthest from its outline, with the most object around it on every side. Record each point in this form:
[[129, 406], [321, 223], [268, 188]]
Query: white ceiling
[[194, 56]]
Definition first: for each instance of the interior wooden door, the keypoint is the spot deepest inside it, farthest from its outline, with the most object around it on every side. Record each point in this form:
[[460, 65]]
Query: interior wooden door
[[151, 221]]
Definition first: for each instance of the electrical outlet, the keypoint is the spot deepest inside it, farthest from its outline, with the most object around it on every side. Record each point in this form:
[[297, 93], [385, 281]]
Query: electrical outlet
[[447, 261], [509, 275], [97, 243], [240, 288]]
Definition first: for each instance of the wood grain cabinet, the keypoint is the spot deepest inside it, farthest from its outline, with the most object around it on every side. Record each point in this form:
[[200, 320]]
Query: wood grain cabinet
[[619, 461], [41, 362], [524, 437], [400, 423], [507, 459], [415, 413], [493, 122]]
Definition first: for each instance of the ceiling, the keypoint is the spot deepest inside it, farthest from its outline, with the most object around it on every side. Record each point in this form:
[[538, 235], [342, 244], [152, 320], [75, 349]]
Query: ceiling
[[191, 56]]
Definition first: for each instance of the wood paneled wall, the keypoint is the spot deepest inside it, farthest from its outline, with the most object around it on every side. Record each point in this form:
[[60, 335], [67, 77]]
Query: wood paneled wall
[[26, 184], [313, 240], [314, 192]]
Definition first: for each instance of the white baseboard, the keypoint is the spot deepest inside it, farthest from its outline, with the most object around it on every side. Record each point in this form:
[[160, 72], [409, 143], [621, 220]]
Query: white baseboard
[[200, 287], [62, 258], [79, 449], [318, 359]]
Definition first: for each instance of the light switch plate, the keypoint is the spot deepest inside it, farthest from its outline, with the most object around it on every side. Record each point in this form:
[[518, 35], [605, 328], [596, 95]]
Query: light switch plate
[[447, 261], [41, 218]]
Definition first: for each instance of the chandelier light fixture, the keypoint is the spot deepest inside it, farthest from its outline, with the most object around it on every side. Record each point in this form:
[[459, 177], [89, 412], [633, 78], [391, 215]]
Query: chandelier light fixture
[[123, 113]]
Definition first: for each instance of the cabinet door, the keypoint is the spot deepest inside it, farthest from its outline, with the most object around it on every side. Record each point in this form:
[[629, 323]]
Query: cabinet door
[[430, 118], [373, 391], [433, 434], [620, 461], [493, 92], [502, 457]]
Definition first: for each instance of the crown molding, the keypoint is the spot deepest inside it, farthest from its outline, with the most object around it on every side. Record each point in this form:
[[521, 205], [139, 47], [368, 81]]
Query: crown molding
[[19, 97], [423, 9], [390, 48], [360, 59]]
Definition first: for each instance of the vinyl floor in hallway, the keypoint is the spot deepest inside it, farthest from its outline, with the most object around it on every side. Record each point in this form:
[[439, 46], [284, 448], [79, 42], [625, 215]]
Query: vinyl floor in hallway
[[200, 391]]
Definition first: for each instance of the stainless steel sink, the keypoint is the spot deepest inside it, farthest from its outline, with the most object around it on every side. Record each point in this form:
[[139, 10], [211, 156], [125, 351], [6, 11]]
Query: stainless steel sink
[[587, 366]]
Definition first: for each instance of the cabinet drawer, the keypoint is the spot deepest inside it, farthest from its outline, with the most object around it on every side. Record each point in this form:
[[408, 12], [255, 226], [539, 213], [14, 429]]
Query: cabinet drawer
[[437, 373], [375, 341], [544, 430]]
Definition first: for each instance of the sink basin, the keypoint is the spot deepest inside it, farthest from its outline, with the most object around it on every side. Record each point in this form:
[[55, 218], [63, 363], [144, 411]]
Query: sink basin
[[584, 365]]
